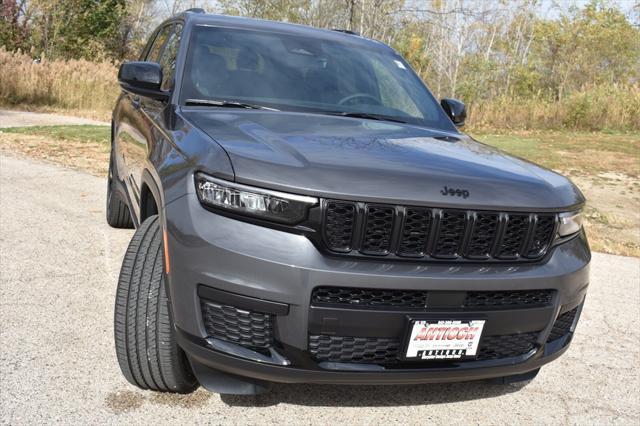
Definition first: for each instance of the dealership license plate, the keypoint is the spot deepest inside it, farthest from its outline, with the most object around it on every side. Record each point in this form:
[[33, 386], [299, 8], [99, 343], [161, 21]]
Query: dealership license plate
[[444, 340]]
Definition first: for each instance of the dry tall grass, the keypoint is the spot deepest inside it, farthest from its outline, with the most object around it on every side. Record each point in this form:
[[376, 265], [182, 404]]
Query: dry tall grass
[[608, 107], [90, 89], [74, 86]]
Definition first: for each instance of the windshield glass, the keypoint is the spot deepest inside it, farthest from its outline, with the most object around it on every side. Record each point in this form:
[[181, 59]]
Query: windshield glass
[[294, 73]]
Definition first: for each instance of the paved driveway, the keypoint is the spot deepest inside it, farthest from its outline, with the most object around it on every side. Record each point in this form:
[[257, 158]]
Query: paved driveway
[[59, 263]]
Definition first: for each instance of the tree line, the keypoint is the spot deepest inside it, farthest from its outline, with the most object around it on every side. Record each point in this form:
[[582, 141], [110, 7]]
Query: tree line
[[470, 49]]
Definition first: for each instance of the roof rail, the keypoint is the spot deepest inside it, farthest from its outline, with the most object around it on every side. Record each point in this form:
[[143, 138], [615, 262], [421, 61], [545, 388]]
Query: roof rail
[[196, 10], [346, 31]]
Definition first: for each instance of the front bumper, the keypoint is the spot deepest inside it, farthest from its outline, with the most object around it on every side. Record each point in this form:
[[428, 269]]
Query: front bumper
[[260, 264]]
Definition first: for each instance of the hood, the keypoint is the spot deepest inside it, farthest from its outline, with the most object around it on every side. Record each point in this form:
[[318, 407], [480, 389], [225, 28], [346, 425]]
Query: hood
[[376, 161]]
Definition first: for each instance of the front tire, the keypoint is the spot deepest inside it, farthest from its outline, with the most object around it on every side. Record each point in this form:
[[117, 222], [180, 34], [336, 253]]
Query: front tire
[[146, 347]]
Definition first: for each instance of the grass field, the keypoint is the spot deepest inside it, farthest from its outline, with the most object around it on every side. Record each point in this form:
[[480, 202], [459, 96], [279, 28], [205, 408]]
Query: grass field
[[573, 153], [80, 147], [84, 133], [605, 166]]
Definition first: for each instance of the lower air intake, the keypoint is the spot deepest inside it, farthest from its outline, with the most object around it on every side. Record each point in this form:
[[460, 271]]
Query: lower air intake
[[383, 351], [367, 350], [246, 328], [419, 299], [563, 324]]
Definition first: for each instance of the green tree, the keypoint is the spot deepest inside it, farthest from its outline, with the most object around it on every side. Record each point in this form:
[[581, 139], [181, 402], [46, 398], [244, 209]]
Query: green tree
[[14, 24], [89, 29], [591, 46]]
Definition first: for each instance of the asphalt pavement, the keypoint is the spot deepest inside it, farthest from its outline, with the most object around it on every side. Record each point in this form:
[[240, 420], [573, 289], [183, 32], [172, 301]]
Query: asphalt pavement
[[59, 263]]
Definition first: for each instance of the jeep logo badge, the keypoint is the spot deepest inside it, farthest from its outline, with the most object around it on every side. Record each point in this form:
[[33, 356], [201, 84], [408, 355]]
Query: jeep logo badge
[[454, 192]]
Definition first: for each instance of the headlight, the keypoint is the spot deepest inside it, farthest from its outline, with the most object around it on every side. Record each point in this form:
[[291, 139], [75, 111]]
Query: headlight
[[570, 223], [261, 203]]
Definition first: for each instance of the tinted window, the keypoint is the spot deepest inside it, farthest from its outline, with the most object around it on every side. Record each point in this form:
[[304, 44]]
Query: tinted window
[[291, 72], [168, 58], [156, 47]]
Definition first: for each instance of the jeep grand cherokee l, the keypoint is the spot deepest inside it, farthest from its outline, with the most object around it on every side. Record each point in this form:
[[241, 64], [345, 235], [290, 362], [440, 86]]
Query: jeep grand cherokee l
[[306, 211]]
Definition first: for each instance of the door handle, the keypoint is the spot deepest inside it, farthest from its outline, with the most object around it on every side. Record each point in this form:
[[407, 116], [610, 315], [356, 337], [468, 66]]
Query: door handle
[[135, 102]]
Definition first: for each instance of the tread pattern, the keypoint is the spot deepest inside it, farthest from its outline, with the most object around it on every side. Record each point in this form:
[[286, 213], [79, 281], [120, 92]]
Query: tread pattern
[[118, 214], [146, 347]]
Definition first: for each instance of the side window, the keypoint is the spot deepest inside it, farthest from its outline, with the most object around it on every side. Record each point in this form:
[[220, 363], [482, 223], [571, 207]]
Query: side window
[[156, 47], [168, 59]]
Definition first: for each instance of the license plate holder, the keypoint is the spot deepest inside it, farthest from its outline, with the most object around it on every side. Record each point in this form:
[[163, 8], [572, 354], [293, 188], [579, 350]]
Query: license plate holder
[[442, 339]]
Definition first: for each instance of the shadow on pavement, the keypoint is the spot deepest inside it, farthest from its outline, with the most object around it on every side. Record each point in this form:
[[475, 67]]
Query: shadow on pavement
[[371, 396]]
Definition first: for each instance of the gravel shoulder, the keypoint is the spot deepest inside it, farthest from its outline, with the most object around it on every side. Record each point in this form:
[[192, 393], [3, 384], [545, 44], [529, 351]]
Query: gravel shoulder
[[59, 263]]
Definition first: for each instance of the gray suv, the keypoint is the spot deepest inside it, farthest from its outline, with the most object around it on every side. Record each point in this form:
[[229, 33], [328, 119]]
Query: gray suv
[[306, 211]]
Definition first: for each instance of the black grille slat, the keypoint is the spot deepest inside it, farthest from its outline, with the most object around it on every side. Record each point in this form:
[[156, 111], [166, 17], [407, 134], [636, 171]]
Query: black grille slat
[[385, 351], [419, 299], [438, 234], [415, 232], [563, 324], [378, 230], [483, 235], [514, 236], [246, 328], [339, 225], [450, 234], [542, 235]]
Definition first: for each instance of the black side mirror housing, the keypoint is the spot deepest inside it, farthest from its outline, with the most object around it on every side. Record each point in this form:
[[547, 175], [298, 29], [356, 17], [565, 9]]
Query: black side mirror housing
[[455, 109], [142, 78]]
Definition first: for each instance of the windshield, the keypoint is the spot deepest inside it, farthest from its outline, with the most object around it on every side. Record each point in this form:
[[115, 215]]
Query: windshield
[[294, 73]]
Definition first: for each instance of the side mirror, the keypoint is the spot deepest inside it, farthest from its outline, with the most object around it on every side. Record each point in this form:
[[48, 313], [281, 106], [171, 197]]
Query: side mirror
[[455, 109], [142, 78]]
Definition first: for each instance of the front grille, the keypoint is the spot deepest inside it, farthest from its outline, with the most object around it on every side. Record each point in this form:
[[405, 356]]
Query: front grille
[[425, 233], [246, 328], [419, 299], [372, 350], [563, 324]]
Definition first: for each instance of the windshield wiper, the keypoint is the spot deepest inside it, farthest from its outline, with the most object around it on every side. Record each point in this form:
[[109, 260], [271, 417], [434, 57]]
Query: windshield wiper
[[366, 115], [227, 104]]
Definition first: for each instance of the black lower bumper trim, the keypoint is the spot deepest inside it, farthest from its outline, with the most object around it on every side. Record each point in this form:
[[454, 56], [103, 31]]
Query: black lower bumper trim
[[243, 302], [197, 351]]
